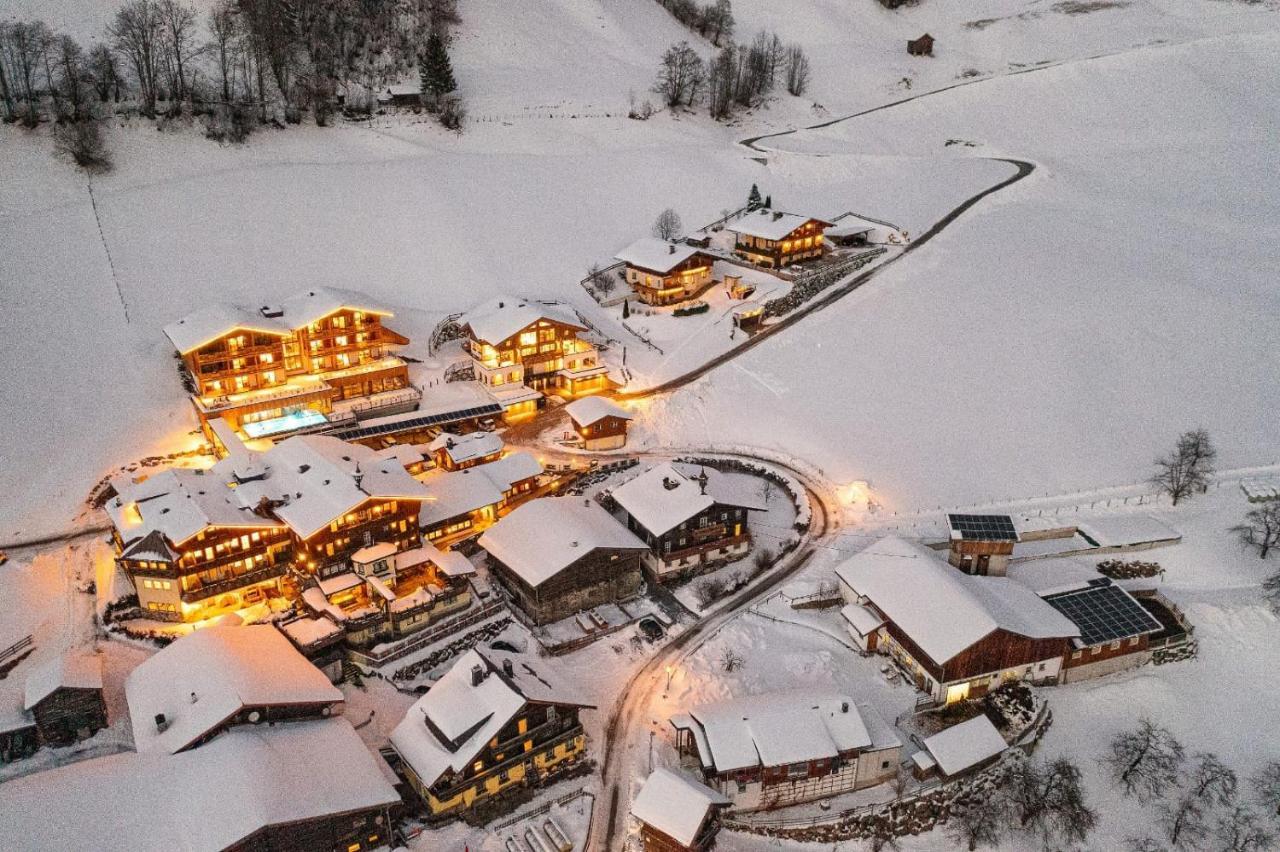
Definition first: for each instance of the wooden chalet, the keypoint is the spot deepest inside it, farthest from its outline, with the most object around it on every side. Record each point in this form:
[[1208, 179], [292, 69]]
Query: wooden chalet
[[691, 517], [557, 556], [459, 452], [773, 239], [767, 751], [468, 501], [599, 422], [953, 635], [677, 814], [319, 357], [64, 698], [922, 46], [662, 272], [981, 544], [521, 350], [485, 729]]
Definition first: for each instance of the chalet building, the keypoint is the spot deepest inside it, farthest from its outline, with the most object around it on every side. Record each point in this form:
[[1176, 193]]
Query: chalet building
[[599, 422], [63, 697], [465, 502], [459, 452], [197, 544], [981, 544], [521, 350], [219, 678], [766, 751], [922, 46], [485, 729], [318, 358], [677, 814], [400, 95], [662, 272], [968, 747], [773, 239], [320, 641], [1115, 628], [557, 556], [690, 517], [300, 787], [955, 636]]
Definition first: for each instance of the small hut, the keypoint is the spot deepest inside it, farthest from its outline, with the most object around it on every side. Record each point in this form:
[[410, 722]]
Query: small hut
[[922, 46]]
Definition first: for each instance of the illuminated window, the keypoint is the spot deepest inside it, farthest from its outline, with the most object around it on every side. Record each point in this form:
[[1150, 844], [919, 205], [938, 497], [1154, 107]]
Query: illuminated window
[[341, 340], [478, 766], [522, 726], [529, 338]]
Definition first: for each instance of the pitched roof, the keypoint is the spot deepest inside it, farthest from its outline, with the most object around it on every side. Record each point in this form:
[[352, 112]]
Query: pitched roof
[[204, 325], [465, 448], [591, 409], [501, 317], [943, 610], [544, 536], [307, 306], [251, 778], [227, 669], [657, 255], [769, 224], [70, 671], [668, 494], [961, 746], [177, 503], [458, 492], [449, 725], [1104, 612], [675, 804]]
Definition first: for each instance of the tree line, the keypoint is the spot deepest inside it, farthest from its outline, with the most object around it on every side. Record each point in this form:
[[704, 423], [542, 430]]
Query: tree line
[[738, 76]]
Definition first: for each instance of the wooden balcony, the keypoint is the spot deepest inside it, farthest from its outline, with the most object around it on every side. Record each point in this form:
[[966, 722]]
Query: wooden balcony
[[209, 590]]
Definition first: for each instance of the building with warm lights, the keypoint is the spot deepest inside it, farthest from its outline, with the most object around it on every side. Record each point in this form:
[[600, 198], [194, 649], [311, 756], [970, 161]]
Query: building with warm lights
[[459, 452], [661, 272], [599, 422], [485, 729], [521, 350], [320, 357], [773, 239], [677, 814]]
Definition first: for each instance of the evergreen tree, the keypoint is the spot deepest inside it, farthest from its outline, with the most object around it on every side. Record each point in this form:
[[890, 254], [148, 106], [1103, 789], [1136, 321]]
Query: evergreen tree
[[626, 308], [768, 201], [753, 199], [435, 70]]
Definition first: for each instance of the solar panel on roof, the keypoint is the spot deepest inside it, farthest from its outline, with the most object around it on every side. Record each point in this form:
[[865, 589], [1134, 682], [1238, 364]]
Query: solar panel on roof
[[416, 423], [984, 527], [1104, 614]]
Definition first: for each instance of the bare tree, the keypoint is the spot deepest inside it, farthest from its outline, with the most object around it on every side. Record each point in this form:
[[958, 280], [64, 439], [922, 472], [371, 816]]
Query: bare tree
[[1241, 830], [138, 32], [979, 821], [1184, 821], [1212, 781], [6, 91], [721, 82], [26, 46], [1145, 761], [601, 280], [731, 660], [1261, 528], [681, 76], [717, 21], [1047, 799], [797, 70], [1144, 844], [667, 226], [82, 142], [1187, 469], [104, 72], [179, 26], [72, 74], [1266, 788], [764, 558], [224, 29]]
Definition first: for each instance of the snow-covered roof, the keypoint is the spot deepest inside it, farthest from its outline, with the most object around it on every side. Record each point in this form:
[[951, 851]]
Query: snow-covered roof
[[451, 562], [861, 618], [457, 492], [307, 306], [374, 552], [1047, 576], [469, 447], [307, 631], [961, 746], [339, 583], [228, 669], [449, 725], [543, 537], [208, 323], [177, 503], [675, 804], [943, 610], [591, 409], [1122, 530], [668, 494], [70, 671], [202, 800], [780, 729], [501, 317], [657, 255], [769, 224]]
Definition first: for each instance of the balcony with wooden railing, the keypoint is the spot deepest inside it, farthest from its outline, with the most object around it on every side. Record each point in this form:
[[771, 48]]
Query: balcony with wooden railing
[[231, 584]]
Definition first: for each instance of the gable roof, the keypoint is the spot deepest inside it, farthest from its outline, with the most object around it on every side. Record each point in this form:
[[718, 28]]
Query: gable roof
[[446, 728], [668, 494], [501, 317], [967, 744], [457, 492], [544, 536], [656, 255], [770, 224], [65, 671], [227, 669], [174, 505], [308, 306], [943, 610], [464, 448], [251, 778], [586, 410], [1104, 612], [675, 804]]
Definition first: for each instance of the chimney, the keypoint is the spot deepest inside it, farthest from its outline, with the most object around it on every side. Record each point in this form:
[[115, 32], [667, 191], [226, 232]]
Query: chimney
[[669, 483], [477, 675], [671, 248], [507, 668], [194, 699], [777, 214], [844, 706], [303, 468], [162, 724]]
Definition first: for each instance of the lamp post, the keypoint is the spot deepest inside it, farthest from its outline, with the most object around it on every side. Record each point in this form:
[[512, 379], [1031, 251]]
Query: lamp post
[[670, 670]]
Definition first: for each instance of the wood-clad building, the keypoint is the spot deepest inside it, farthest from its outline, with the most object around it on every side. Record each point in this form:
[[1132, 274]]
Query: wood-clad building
[[766, 751], [459, 452], [521, 350], [557, 556], [599, 422], [485, 729], [922, 46], [677, 814], [773, 239], [662, 272], [64, 698], [691, 517], [954, 635], [981, 544]]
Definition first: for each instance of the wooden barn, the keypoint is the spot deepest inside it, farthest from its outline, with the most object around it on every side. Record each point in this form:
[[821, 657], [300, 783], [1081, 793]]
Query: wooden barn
[[599, 422], [981, 544], [922, 46], [955, 636], [557, 556], [677, 814], [64, 697]]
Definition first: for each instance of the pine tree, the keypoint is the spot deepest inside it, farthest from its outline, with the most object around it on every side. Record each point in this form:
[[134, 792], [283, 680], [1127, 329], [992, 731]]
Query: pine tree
[[768, 202], [626, 308], [753, 199], [435, 70]]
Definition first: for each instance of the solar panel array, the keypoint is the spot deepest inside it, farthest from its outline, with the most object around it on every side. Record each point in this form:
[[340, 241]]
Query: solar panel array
[[417, 422], [1104, 614], [983, 527]]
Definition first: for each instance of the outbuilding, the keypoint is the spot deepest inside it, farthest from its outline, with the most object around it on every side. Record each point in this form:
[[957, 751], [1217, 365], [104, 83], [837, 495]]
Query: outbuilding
[[922, 46], [677, 814], [599, 422]]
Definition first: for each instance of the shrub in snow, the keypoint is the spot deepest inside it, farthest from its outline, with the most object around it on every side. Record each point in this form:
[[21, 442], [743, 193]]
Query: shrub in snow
[[691, 310], [1145, 762], [1261, 529], [81, 142], [1118, 569]]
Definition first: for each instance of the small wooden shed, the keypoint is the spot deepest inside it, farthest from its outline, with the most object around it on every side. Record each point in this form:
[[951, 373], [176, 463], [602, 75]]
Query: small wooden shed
[[922, 46], [64, 697]]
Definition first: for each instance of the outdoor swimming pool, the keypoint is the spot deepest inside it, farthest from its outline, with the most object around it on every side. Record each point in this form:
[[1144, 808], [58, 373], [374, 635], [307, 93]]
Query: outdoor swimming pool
[[286, 423]]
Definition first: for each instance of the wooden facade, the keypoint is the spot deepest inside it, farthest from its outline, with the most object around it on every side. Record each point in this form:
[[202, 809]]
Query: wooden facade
[[805, 242], [545, 355], [353, 831], [328, 552], [607, 433], [716, 534], [922, 46], [984, 558], [653, 840], [69, 714], [604, 575], [683, 281]]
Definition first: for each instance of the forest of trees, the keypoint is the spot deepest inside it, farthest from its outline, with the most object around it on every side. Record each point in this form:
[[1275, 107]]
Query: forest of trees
[[247, 62], [738, 76]]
